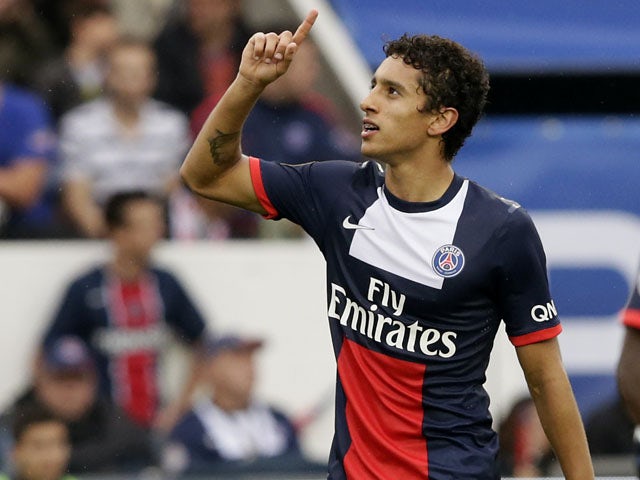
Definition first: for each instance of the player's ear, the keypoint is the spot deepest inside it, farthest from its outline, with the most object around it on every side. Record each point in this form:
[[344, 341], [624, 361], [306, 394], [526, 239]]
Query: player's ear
[[443, 121]]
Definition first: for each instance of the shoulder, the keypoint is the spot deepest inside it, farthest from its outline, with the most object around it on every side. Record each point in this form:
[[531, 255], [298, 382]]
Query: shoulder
[[88, 279], [164, 276], [22, 99], [188, 427], [24, 106], [357, 175], [497, 209], [332, 175]]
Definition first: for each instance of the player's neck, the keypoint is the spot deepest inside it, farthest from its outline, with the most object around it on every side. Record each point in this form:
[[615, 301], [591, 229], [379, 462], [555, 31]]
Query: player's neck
[[128, 269], [419, 182], [230, 403]]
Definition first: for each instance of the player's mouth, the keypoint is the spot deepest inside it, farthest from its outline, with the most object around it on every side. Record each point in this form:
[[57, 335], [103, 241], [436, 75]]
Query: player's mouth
[[368, 128]]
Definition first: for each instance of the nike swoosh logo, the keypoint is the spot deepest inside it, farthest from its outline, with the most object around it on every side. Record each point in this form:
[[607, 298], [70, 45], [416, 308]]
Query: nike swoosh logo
[[346, 223]]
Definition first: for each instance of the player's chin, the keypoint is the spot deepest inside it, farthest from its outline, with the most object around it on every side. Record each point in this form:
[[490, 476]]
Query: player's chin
[[368, 150]]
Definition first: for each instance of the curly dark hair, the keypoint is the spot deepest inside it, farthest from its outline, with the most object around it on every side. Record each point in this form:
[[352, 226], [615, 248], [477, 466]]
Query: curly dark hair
[[452, 77]]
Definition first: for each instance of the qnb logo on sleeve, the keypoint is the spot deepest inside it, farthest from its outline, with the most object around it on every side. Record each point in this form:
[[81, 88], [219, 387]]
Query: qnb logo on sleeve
[[544, 313]]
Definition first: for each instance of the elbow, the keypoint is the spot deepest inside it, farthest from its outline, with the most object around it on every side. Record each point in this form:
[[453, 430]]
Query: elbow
[[186, 178], [191, 179]]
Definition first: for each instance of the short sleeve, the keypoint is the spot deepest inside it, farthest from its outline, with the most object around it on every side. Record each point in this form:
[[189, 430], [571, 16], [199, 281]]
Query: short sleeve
[[181, 313], [304, 194], [524, 298]]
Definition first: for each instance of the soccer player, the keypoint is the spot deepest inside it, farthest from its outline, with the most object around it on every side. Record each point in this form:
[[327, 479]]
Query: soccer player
[[422, 264], [629, 365]]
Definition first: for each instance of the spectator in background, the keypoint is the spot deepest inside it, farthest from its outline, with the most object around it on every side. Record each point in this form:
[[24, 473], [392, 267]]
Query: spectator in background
[[41, 446], [629, 365], [123, 141], [199, 52], [525, 451], [230, 430], [77, 75], [25, 41], [27, 144], [125, 310], [102, 438]]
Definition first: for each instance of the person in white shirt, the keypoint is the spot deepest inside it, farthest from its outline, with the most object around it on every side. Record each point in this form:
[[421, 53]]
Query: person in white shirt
[[122, 141], [229, 429]]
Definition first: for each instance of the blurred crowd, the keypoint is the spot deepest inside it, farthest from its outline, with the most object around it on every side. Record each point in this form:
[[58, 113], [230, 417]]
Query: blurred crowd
[[99, 97], [97, 403], [100, 101]]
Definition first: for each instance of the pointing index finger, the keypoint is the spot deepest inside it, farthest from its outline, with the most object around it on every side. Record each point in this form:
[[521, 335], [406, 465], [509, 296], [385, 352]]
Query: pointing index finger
[[305, 27]]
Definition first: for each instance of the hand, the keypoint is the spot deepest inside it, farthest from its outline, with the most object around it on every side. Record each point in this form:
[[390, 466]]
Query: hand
[[267, 56]]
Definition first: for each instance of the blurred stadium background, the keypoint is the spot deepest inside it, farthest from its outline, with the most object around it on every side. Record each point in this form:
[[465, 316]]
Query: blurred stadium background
[[561, 136]]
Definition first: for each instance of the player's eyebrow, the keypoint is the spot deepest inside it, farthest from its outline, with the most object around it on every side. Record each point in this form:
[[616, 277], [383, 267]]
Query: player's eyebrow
[[385, 82]]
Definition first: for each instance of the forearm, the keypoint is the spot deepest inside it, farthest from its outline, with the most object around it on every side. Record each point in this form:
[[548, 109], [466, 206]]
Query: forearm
[[556, 406], [217, 147], [629, 373], [85, 214], [562, 424]]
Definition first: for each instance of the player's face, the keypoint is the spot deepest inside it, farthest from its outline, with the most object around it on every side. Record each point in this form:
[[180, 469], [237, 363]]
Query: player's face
[[394, 126], [42, 452]]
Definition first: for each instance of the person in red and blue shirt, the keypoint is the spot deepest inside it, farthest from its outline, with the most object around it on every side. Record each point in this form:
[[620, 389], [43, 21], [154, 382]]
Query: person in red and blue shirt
[[126, 311], [422, 264]]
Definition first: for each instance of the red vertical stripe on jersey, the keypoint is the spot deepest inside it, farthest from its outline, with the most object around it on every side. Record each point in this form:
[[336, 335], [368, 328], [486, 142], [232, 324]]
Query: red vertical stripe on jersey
[[134, 307], [384, 415], [631, 318], [258, 187]]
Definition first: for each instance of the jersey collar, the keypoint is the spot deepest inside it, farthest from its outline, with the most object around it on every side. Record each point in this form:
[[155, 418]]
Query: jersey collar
[[416, 207]]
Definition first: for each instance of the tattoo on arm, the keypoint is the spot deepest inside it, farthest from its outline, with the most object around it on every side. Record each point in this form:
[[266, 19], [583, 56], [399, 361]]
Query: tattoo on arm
[[216, 146]]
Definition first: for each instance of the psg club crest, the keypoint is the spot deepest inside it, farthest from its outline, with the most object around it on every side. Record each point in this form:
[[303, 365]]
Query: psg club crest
[[448, 261]]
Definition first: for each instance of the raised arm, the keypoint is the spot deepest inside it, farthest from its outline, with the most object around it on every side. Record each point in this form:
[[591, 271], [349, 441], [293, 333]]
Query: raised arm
[[556, 406], [215, 167]]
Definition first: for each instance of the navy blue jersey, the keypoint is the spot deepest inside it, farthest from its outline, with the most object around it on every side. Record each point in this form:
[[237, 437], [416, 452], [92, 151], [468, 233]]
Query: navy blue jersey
[[126, 335], [416, 292]]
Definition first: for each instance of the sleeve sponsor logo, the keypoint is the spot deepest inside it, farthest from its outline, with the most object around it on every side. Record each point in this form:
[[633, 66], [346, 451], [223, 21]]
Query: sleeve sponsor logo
[[544, 313]]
